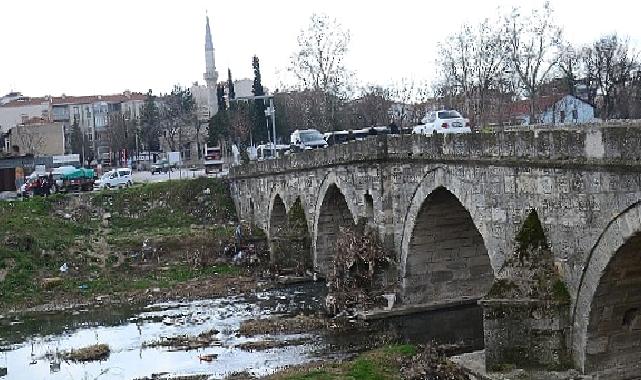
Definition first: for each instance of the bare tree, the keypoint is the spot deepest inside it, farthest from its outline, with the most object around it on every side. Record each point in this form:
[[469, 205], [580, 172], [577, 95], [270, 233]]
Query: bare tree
[[456, 67], [318, 64], [611, 64], [240, 121], [372, 108], [472, 63], [178, 119], [532, 42], [29, 139], [121, 133], [406, 94]]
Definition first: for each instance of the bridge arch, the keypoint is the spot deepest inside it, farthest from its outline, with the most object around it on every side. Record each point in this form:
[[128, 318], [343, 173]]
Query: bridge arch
[[277, 215], [607, 314], [443, 253], [335, 208]]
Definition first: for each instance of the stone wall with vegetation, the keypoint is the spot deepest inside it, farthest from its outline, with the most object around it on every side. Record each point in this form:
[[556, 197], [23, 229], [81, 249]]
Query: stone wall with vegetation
[[525, 313]]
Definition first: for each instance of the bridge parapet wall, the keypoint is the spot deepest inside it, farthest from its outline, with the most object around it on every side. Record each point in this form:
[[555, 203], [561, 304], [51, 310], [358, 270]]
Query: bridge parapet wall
[[608, 145]]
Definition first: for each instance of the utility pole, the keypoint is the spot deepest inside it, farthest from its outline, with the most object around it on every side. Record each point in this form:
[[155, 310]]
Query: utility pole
[[271, 111]]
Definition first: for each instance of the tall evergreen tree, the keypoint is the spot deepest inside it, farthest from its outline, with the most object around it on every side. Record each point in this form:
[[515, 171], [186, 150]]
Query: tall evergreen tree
[[257, 88], [79, 143], [150, 124], [220, 95], [230, 86], [259, 122]]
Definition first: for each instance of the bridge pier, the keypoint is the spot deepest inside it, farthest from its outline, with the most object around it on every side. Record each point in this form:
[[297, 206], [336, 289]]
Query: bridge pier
[[526, 312]]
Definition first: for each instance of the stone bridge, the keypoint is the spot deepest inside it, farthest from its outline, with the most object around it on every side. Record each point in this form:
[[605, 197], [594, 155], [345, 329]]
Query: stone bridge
[[450, 208]]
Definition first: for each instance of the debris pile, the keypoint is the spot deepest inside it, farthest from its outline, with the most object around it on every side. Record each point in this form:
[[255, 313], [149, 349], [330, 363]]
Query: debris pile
[[270, 344], [431, 362], [295, 325], [185, 342], [362, 275], [89, 353]]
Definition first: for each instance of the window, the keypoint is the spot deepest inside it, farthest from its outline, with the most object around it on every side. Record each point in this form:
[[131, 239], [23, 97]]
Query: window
[[186, 151], [448, 115], [562, 118], [431, 117], [575, 114]]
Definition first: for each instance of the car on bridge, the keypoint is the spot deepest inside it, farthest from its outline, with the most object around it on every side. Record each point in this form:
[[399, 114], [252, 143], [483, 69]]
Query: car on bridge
[[444, 121], [304, 139]]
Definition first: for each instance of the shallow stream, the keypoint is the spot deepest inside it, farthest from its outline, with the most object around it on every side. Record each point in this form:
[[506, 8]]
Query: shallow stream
[[28, 345]]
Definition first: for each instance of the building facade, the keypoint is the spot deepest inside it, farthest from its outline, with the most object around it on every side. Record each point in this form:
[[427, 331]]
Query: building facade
[[563, 109], [17, 109], [92, 114], [37, 137]]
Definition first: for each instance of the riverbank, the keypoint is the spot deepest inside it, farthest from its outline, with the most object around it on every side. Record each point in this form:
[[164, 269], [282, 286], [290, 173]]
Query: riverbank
[[149, 254], [154, 242], [390, 362]]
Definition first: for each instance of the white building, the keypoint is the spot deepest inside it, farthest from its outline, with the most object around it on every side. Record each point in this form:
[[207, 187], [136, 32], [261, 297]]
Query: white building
[[565, 109], [18, 109]]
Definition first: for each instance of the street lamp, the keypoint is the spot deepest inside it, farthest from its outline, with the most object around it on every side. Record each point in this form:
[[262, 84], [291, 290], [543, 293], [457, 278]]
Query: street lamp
[[269, 112]]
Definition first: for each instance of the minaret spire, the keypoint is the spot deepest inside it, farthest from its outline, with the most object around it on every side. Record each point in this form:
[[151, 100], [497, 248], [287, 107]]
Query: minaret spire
[[211, 75], [208, 44]]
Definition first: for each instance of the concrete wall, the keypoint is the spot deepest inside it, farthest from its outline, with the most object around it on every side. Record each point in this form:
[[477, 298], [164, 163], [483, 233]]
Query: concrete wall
[[12, 116], [585, 185], [39, 139]]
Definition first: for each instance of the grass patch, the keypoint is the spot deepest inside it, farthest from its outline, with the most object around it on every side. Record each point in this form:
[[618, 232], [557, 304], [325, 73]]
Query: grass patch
[[380, 364], [401, 349], [38, 235]]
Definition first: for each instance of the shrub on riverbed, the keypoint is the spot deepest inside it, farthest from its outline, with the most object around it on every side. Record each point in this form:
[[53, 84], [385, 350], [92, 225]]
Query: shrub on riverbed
[[89, 353], [362, 271]]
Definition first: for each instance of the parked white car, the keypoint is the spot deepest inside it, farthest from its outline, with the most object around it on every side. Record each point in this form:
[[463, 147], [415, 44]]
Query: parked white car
[[443, 121], [114, 179], [308, 139]]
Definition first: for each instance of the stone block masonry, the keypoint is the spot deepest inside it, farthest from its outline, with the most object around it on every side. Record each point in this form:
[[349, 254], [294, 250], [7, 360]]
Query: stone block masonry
[[450, 207]]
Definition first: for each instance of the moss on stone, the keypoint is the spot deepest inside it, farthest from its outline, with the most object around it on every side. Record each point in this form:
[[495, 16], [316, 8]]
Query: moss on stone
[[502, 288], [292, 247], [531, 236], [560, 292]]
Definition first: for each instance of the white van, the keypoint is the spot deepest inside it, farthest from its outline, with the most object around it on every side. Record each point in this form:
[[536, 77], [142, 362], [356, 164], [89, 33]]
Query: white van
[[115, 178]]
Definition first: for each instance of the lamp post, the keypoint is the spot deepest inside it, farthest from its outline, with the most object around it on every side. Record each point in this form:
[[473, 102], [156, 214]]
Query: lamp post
[[271, 111]]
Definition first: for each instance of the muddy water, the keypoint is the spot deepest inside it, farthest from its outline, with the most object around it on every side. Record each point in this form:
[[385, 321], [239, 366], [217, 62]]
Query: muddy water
[[28, 345]]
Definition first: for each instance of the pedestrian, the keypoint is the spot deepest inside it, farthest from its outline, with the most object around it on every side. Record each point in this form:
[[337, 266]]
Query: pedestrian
[[238, 234], [393, 128]]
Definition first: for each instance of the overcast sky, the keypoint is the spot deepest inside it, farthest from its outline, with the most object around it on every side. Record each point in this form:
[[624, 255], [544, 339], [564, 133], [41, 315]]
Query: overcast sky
[[100, 47]]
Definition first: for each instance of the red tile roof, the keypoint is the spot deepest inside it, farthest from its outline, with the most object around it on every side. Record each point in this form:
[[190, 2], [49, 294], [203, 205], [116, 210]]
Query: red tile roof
[[63, 100], [522, 107], [26, 101]]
